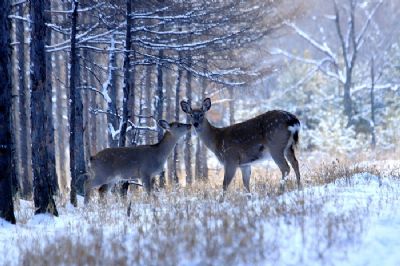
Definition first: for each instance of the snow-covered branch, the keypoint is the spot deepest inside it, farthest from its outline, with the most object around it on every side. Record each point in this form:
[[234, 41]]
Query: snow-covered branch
[[104, 95], [20, 18], [366, 24], [324, 48]]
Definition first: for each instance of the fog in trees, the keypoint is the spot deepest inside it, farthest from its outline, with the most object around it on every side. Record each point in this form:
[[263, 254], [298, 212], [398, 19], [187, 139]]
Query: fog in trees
[[88, 75]]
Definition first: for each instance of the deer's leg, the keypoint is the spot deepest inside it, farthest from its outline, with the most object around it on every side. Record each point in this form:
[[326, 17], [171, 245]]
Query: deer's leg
[[279, 159], [229, 170], [102, 191], [88, 188], [290, 155], [146, 181], [124, 189], [246, 173]]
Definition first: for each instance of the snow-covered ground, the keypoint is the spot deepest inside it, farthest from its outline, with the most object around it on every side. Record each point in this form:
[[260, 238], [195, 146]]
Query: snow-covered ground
[[354, 220]]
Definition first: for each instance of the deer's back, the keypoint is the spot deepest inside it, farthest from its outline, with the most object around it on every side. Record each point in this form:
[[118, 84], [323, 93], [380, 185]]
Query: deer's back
[[124, 162], [254, 138]]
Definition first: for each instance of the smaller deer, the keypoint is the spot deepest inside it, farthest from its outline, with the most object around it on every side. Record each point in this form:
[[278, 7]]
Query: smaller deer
[[125, 163], [273, 133]]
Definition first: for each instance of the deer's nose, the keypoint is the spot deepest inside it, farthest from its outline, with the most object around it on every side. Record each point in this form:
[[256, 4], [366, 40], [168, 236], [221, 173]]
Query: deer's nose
[[195, 124]]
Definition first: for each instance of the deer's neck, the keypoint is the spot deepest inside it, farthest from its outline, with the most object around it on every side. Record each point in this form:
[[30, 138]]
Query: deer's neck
[[208, 134], [167, 144]]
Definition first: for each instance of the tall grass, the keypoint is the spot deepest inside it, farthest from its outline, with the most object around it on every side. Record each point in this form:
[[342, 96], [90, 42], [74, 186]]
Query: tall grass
[[191, 226]]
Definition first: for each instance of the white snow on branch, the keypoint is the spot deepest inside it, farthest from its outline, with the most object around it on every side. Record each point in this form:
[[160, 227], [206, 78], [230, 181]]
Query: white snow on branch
[[366, 24], [105, 96], [330, 17], [377, 87], [187, 46], [324, 48], [107, 83], [20, 18], [83, 38], [90, 8], [114, 133]]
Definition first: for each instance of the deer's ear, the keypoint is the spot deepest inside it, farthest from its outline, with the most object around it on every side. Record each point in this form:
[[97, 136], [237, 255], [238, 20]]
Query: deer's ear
[[206, 104], [186, 107], [164, 124]]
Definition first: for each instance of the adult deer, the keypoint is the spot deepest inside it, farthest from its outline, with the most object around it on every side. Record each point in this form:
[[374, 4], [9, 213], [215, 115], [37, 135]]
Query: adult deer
[[115, 164], [275, 132]]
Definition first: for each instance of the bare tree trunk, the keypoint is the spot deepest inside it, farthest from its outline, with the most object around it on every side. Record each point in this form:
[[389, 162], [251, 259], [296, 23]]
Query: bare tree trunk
[[127, 75], [93, 122], [132, 100], [49, 108], [372, 96], [188, 138], [159, 105], [77, 159], [64, 181], [347, 102], [112, 119], [129, 90], [177, 111], [349, 61], [6, 201], [142, 102], [201, 150], [86, 104], [15, 123], [169, 114], [204, 150], [231, 107], [25, 181], [43, 195], [60, 81], [148, 107]]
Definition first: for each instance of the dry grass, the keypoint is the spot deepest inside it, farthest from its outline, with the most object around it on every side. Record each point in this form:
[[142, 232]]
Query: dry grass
[[190, 226]]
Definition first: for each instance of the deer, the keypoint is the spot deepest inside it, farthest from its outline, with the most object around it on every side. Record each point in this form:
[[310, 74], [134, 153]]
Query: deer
[[112, 165], [274, 133]]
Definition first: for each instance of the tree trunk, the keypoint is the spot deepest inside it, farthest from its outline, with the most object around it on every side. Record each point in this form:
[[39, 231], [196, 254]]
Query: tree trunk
[[6, 201], [61, 124], [129, 92], [159, 105], [347, 102], [177, 111], [112, 119], [132, 136], [372, 96], [142, 101], [201, 171], [77, 160], [127, 75], [49, 108], [86, 104], [188, 138], [60, 86], [203, 148], [231, 107], [42, 182], [93, 121], [25, 181], [169, 115], [148, 106]]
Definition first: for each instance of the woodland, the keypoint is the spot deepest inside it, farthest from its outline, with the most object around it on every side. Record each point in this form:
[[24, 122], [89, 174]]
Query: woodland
[[80, 76]]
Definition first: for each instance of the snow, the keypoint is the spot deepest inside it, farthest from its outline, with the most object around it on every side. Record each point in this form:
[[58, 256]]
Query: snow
[[352, 221]]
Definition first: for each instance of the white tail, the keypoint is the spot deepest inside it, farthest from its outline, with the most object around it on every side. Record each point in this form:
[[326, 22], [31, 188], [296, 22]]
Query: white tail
[[126, 163], [274, 133]]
